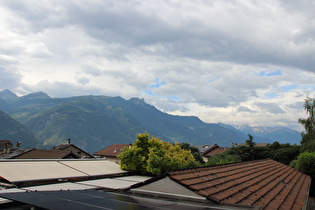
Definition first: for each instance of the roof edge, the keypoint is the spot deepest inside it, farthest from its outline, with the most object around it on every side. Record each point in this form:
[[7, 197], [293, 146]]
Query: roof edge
[[307, 195]]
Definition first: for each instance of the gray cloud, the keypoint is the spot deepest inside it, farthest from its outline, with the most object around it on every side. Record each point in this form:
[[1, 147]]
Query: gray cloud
[[270, 107], [244, 109], [9, 79], [213, 56], [243, 36]]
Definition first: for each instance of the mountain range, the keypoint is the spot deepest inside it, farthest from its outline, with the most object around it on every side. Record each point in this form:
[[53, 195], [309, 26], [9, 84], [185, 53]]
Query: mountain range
[[95, 122]]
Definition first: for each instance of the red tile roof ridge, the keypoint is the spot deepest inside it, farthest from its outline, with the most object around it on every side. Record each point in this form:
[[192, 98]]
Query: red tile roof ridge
[[270, 183], [285, 192], [251, 188], [217, 169], [221, 193], [273, 189], [257, 183], [237, 173], [267, 184], [302, 196]]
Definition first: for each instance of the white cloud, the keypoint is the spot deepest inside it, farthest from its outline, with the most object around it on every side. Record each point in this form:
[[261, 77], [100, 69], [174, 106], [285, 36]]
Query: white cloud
[[224, 61]]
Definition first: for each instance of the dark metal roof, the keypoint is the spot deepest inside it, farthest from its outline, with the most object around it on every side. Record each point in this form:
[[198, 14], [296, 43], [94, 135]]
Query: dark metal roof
[[92, 199], [265, 183]]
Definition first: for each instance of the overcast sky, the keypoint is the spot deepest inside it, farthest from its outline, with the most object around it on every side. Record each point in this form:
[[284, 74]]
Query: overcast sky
[[235, 62]]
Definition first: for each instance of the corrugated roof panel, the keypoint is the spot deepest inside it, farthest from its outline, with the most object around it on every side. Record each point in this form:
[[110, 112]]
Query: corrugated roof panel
[[59, 186], [94, 167], [12, 190], [134, 178], [109, 183], [36, 170]]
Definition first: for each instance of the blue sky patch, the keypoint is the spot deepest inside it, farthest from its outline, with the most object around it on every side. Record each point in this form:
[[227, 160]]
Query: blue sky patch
[[212, 80], [270, 74], [271, 95], [175, 98], [288, 88], [156, 85]]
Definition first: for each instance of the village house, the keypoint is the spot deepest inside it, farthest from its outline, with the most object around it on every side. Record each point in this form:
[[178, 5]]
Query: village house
[[216, 150], [74, 149], [111, 152], [207, 151]]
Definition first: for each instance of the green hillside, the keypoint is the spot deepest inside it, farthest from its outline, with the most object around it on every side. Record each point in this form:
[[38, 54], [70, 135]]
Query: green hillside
[[11, 129], [95, 122]]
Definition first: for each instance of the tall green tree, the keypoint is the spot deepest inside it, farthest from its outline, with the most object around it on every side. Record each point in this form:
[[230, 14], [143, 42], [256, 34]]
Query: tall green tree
[[152, 155], [194, 151], [251, 145], [223, 158], [308, 137]]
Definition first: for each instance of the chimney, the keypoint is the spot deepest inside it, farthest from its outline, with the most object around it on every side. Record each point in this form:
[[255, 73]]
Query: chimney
[[68, 141], [115, 148], [18, 144]]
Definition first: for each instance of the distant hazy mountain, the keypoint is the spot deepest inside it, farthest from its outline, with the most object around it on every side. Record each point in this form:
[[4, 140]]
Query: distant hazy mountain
[[11, 129], [95, 122], [7, 95], [280, 134]]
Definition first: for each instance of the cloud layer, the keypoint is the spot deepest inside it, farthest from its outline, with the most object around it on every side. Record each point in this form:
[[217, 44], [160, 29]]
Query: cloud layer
[[234, 62]]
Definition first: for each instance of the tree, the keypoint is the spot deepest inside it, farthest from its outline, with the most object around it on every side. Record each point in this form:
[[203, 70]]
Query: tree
[[194, 151], [285, 154], [308, 137], [155, 156], [167, 157], [250, 141], [136, 158], [306, 164], [223, 158], [251, 145]]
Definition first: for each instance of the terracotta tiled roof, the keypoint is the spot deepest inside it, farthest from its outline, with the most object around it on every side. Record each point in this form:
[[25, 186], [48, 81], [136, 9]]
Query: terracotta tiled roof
[[216, 151], [112, 151], [265, 183], [46, 154]]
